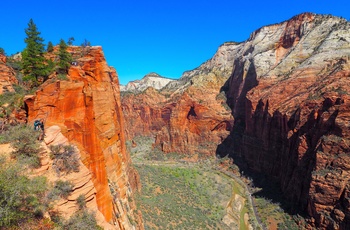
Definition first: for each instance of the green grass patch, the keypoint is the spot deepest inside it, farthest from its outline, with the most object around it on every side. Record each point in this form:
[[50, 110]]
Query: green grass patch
[[182, 197]]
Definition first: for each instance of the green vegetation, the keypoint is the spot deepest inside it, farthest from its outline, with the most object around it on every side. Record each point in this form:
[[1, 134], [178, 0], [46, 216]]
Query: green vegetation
[[271, 214], [2, 51], [33, 61], [82, 220], [24, 200], [11, 100], [24, 140], [86, 43], [81, 201], [70, 41], [180, 198], [65, 159], [21, 198], [64, 57], [178, 195], [49, 48], [62, 189]]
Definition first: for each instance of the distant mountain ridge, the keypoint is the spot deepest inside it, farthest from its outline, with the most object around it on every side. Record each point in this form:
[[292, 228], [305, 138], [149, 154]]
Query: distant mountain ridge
[[152, 79]]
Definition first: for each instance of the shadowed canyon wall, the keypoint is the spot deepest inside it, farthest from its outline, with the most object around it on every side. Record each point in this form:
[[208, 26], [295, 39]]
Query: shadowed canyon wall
[[289, 94], [87, 109]]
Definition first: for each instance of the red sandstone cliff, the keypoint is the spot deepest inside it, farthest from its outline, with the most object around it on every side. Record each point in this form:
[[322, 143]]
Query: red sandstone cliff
[[87, 109], [189, 115], [289, 95]]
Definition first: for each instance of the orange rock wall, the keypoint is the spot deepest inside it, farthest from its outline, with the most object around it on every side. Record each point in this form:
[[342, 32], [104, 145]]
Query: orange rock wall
[[87, 108]]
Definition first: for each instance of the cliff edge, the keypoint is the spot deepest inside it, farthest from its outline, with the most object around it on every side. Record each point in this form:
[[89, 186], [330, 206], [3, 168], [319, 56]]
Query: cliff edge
[[86, 108]]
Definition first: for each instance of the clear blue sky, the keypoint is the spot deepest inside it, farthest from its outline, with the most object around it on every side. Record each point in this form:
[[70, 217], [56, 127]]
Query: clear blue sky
[[138, 37]]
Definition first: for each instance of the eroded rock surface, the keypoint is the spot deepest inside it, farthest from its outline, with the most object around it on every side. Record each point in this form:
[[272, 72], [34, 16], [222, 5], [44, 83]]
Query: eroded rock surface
[[289, 94], [87, 109]]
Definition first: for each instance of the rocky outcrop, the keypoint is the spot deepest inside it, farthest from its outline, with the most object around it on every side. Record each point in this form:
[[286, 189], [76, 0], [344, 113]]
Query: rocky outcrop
[[87, 109], [7, 76], [153, 80], [289, 94], [188, 115]]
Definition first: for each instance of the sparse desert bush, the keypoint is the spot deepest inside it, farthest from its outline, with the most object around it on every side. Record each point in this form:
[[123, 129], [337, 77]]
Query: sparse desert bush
[[24, 140], [12, 100], [65, 159], [82, 220], [81, 201], [62, 189], [21, 198]]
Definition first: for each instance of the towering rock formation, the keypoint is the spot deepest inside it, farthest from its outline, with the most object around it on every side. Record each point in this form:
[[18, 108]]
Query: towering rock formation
[[87, 109], [188, 115], [7, 76], [289, 94]]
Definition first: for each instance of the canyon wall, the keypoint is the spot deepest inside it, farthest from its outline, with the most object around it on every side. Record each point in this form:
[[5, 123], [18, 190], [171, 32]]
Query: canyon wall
[[289, 94], [189, 115], [86, 107]]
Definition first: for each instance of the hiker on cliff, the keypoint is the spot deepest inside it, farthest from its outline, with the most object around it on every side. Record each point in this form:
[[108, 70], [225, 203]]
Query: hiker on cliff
[[39, 125], [36, 124]]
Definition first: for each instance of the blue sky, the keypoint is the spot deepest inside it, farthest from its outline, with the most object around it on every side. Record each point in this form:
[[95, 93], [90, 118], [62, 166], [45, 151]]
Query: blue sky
[[138, 37]]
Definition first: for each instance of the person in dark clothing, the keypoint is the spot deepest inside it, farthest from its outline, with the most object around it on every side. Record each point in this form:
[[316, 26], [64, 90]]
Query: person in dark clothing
[[36, 124], [39, 125]]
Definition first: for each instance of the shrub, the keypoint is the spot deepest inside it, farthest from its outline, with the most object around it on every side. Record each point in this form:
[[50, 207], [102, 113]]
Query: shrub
[[81, 201], [20, 197], [62, 189], [14, 100], [24, 140], [62, 77], [14, 64], [65, 159], [82, 220]]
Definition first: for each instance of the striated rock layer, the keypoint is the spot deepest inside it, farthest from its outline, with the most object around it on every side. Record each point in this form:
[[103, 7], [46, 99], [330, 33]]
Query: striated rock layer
[[188, 115], [289, 93], [87, 109]]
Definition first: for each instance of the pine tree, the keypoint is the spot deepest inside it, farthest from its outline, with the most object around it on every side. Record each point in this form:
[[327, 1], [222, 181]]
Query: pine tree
[[49, 47], [65, 58], [70, 41], [33, 60]]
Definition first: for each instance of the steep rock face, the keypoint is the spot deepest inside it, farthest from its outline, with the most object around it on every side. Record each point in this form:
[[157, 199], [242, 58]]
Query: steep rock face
[[81, 180], [188, 115], [87, 109], [153, 80], [289, 94], [7, 76]]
